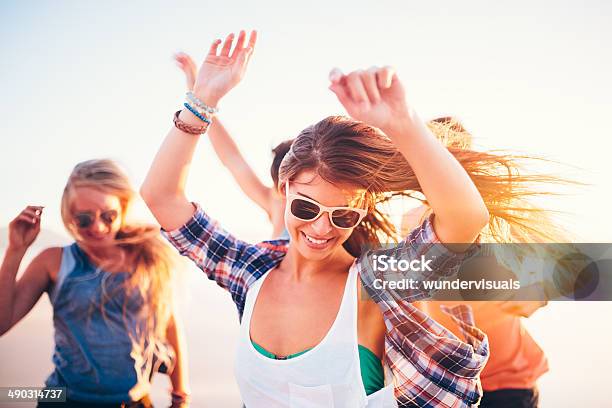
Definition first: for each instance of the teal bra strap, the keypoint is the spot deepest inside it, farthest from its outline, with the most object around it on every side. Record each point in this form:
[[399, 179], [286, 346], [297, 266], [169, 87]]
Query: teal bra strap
[[372, 373], [266, 353]]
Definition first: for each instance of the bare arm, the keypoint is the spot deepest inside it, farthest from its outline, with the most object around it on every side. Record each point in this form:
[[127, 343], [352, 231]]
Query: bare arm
[[227, 150], [230, 156], [377, 97], [18, 297], [460, 210], [164, 187], [179, 376]]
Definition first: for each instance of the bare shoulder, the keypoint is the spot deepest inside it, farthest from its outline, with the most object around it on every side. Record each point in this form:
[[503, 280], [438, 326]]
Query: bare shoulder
[[49, 261]]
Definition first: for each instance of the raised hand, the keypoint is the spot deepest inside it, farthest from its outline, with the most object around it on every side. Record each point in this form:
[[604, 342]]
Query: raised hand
[[374, 96], [222, 70], [188, 66], [24, 229]]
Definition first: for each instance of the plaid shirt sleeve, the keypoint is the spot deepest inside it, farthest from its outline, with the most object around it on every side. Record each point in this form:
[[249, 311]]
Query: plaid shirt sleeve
[[422, 245], [431, 367], [232, 263]]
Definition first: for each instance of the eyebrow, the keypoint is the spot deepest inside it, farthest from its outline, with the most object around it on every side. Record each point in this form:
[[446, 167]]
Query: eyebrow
[[307, 196]]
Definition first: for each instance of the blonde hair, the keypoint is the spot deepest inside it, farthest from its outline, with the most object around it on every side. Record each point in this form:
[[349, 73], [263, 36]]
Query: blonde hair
[[143, 253]]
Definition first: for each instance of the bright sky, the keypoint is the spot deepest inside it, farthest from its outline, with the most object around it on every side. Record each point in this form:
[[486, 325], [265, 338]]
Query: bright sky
[[81, 80]]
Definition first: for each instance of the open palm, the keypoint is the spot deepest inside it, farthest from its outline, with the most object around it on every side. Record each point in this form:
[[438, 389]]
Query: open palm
[[222, 70]]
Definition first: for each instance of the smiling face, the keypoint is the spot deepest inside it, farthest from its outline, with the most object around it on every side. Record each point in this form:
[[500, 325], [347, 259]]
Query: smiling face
[[97, 216], [319, 239]]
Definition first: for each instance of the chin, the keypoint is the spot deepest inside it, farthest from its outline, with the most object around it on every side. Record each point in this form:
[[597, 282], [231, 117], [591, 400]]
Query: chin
[[98, 241]]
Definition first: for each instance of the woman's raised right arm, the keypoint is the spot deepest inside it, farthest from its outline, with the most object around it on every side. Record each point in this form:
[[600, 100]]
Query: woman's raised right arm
[[164, 187], [227, 150], [18, 297]]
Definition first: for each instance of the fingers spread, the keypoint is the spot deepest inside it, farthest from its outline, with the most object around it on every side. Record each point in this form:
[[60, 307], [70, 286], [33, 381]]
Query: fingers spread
[[227, 45], [252, 39], [242, 59], [214, 46], [239, 44]]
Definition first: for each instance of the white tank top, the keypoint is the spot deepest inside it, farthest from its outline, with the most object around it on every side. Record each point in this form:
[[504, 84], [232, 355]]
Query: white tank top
[[327, 375]]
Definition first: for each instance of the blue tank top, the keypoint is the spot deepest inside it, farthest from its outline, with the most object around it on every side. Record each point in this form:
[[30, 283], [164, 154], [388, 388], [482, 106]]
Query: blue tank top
[[99, 356]]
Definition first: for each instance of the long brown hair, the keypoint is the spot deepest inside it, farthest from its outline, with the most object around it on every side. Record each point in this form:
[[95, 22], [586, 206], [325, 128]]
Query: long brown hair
[[144, 255], [343, 151]]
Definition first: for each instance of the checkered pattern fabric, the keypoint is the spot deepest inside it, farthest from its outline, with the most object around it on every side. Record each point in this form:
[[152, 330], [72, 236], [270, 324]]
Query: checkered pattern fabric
[[431, 367]]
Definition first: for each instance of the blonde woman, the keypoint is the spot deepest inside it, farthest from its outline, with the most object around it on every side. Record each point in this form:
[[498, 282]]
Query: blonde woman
[[110, 291]]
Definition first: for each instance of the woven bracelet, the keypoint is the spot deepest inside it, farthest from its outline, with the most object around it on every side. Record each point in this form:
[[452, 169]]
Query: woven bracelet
[[187, 128]]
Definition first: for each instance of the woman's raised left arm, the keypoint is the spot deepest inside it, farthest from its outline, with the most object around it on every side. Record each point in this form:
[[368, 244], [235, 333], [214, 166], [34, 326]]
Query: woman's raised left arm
[[376, 97]]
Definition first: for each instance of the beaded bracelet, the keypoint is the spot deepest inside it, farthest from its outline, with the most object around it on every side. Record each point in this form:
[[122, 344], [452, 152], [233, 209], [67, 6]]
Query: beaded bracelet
[[196, 113], [193, 109], [198, 103], [187, 128]]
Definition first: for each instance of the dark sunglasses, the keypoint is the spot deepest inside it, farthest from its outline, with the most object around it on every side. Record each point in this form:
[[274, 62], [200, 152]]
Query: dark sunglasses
[[85, 220], [305, 209]]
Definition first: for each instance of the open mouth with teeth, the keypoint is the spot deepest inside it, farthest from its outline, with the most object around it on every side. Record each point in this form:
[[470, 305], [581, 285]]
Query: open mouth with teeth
[[316, 242]]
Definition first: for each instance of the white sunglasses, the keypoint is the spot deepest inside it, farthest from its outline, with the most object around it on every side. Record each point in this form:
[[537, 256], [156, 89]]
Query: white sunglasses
[[306, 209]]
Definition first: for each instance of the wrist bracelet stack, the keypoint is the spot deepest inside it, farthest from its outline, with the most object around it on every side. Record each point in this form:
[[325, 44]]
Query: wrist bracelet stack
[[199, 105], [187, 128], [197, 114], [200, 110]]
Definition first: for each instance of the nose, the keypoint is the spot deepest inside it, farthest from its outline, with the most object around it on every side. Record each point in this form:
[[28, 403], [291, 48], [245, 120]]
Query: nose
[[322, 225], [99, 227]]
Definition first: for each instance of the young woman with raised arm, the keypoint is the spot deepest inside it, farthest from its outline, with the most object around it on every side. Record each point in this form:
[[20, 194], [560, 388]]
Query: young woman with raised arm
[[308, 339], [110, 291]]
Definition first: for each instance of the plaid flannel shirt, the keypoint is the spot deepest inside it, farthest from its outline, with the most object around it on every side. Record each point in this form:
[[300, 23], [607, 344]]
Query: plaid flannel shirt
[[431, 367]]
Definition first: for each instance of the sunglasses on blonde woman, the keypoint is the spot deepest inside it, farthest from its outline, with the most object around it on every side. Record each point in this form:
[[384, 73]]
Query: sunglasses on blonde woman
[[306, 209], [84, 220]]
